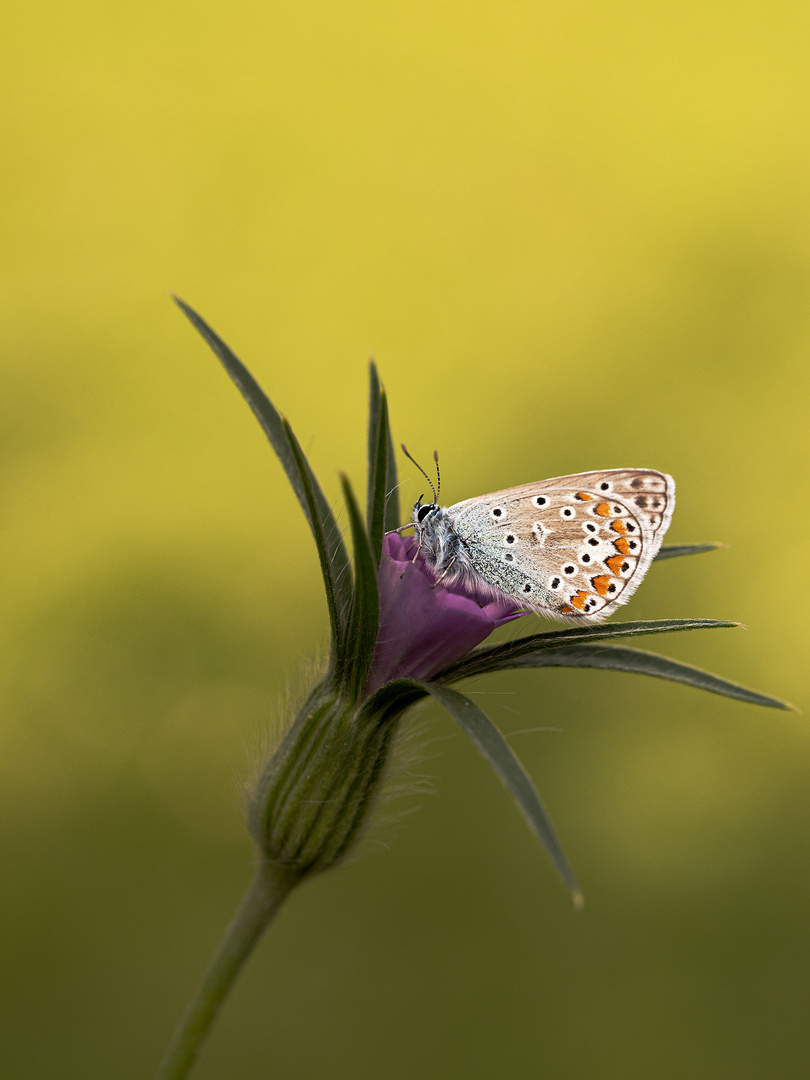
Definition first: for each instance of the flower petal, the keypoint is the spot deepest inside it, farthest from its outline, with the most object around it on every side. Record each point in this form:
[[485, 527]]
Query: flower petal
[[424, 627]]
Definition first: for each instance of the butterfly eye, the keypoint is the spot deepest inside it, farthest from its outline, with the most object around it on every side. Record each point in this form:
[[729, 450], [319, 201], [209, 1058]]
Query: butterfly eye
[[423, 512]]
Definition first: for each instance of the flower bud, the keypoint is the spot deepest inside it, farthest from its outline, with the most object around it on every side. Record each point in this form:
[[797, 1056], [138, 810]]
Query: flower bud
[[316, 790]]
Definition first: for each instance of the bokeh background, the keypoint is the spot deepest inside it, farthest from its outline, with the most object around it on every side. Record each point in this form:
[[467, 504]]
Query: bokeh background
[[573, 237]]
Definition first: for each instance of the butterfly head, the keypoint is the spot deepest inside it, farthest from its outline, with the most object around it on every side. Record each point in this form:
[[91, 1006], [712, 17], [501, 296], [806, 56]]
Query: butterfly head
[[436, 538], [422, 510], [425, 519]]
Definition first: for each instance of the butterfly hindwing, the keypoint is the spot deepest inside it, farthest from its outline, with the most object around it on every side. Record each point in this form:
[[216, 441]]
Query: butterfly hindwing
[[571, 547]]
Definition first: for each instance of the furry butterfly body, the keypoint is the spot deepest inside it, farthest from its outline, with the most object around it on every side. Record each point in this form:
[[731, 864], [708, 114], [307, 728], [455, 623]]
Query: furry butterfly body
[[573, 547]]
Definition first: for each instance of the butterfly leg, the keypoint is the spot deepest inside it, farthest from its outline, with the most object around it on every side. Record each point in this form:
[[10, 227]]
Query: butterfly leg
[[444, 572], [418, 548]]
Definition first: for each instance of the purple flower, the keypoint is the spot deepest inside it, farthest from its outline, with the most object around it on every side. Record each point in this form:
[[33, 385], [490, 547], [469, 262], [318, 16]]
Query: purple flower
[[425, 627]]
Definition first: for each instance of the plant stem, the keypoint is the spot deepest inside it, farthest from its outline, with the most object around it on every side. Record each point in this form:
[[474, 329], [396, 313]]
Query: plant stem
[[259, 906]]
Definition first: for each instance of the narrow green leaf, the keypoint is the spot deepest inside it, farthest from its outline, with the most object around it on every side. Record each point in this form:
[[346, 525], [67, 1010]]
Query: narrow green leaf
[[392, 519], [338, 613], [337, 568], [672, 551], [374, 390], [378, 448], [365, 610], [477, 725], [496, 657], [634, 661]]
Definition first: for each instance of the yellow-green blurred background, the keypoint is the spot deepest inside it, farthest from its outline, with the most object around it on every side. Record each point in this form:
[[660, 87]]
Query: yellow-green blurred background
[[574, 237]]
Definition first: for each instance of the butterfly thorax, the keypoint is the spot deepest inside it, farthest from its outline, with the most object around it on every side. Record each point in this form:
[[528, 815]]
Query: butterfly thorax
[[440, 545]]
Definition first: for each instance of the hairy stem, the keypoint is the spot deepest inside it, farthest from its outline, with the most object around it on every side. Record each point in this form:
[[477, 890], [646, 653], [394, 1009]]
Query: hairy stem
[[259, 906]]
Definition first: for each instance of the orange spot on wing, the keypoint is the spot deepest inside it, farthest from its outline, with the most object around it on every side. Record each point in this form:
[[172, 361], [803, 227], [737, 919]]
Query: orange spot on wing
[[583, 495], [601, 584], [579, 600], [622, 545], [566, 609], [618, 526], [603, 509], [615, 562]]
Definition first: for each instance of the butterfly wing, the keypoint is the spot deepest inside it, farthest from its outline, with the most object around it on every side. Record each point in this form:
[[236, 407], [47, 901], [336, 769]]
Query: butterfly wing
[[572, 547]]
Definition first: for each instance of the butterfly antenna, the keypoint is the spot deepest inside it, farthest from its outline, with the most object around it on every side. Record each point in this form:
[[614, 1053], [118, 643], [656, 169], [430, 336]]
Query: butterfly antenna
[[422, 471], [438, 475]]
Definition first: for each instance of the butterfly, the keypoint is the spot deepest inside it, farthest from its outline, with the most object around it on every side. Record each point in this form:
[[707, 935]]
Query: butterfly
[[572, 548]]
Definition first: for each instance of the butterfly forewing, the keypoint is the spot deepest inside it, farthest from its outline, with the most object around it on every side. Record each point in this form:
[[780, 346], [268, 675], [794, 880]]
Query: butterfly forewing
[[572, 546]]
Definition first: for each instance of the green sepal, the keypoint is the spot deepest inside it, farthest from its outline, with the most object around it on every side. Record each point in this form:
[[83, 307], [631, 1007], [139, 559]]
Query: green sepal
[[636, 662], [392, 699], [338, 613], [334, 558], [379, 453], [475, 723], [391, 518], [364, 614], [673, 551], [497, 657]]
